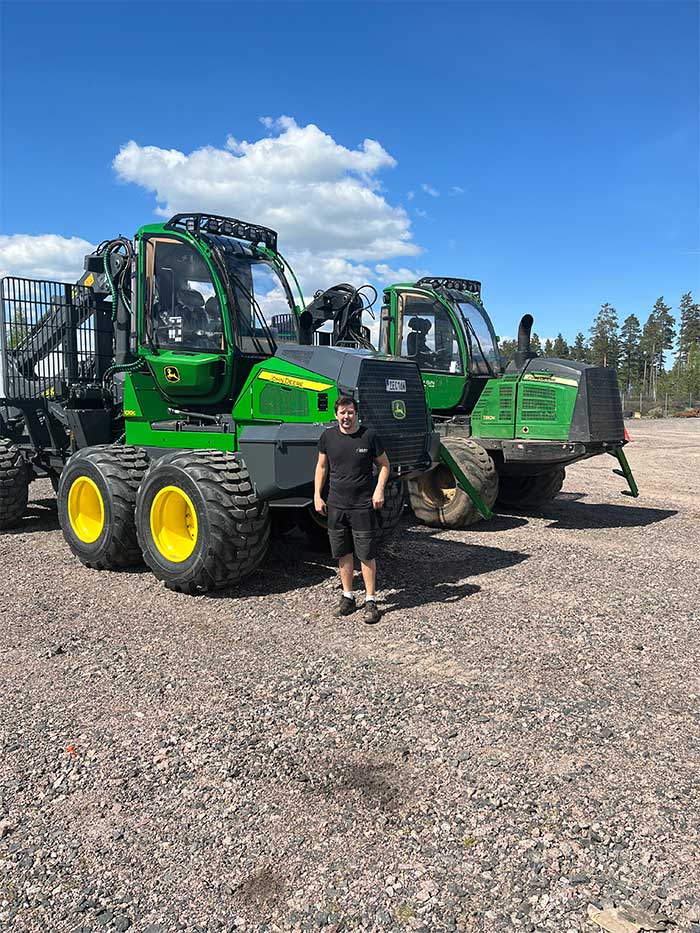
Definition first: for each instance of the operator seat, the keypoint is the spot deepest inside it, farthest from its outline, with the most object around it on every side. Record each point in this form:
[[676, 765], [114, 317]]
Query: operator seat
[[190, 304]]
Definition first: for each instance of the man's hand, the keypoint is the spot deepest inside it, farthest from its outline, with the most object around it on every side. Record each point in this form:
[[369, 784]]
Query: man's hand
[[320, 505], [378, 498]]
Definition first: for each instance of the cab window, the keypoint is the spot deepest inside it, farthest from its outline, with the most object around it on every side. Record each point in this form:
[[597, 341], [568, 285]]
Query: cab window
[[182, 310], [427, 335]]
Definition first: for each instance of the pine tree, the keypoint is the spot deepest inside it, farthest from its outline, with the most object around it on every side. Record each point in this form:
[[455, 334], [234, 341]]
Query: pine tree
[[580, 350], [657, 336], [548, 347], [536, 344], [667, 325], [689, 329], [560, 348], [605, 341], [18, 329], [507, 348], [630, 356], [649, 349]]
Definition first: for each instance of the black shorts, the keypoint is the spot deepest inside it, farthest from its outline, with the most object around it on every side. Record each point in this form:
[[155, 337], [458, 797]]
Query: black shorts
[[353, 531]]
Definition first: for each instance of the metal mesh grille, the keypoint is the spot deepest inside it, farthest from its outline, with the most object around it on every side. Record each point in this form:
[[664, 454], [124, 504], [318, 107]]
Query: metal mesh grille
[[539, 403], [505, 402], [49, 337], [279, 401], [406, 440], [604, 405]]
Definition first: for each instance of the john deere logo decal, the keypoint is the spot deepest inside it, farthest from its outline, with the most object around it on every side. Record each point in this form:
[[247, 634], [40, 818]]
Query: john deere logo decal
[[172, 374], [398, 409]]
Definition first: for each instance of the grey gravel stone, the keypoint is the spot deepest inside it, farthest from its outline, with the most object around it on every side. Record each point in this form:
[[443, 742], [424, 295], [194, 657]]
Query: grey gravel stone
[[244, 762]]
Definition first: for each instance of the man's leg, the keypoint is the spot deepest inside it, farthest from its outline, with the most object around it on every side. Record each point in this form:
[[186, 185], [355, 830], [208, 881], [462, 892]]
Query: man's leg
[[369, 575], [364, 533], [340, 536], [346, 567]]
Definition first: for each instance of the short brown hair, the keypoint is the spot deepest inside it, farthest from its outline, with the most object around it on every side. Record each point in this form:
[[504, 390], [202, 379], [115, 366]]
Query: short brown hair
[[343, 400]]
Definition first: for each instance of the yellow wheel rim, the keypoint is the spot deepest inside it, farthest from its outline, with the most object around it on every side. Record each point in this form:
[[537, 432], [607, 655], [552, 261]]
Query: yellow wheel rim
[[86, 510], [173, 524]]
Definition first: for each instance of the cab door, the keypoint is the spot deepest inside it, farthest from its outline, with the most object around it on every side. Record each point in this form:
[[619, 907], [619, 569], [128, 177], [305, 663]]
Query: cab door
[[183, 329], [426, 333]]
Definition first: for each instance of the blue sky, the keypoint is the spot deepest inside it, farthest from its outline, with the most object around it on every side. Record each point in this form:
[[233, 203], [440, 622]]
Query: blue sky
[[548, 149]]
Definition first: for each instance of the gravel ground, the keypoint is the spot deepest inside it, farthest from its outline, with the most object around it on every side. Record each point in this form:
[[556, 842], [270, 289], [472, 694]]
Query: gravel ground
[[518, 739]]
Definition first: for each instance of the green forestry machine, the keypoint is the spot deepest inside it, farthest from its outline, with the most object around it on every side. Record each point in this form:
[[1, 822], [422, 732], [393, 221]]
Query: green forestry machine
[[172, 419], [510, 429]]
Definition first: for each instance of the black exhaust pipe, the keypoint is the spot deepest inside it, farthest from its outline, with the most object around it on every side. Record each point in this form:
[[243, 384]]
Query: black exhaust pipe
[[523, 353]]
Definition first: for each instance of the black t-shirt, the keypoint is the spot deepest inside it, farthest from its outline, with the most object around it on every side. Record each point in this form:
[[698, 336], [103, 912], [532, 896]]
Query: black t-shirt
[[351, 460]]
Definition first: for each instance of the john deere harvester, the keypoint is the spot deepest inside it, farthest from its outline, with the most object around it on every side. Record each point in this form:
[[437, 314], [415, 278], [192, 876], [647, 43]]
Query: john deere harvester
[[171, 418], [512, 429]]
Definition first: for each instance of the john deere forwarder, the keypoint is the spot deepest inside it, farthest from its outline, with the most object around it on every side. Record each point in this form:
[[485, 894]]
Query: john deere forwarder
[[170, 417], [511, 429]]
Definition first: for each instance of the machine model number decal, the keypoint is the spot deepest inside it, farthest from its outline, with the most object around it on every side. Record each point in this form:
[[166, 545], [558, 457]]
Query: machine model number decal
[[398, 409], [396, 385], [172, 373]]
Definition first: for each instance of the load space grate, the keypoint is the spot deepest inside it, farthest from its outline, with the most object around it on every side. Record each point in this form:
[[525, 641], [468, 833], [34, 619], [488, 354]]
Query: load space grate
[[539, 403], [604, 405], [406, 439], [50, 335]]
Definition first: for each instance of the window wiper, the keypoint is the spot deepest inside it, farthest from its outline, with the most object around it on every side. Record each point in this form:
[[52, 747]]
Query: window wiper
[[481, 349], [258, 315]]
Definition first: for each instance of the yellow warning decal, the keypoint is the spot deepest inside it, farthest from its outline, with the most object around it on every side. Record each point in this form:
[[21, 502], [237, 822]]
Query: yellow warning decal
[[89, 280], [550, 379], [294, 382]]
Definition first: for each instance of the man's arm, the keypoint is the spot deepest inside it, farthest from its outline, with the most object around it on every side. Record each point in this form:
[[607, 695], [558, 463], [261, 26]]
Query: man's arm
[[319, 482], [382, 462]]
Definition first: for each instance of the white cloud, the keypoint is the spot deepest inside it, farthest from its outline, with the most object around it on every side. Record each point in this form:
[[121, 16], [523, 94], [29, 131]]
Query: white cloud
[[433, 192], [421, 213], [388, 276], [326, 200], [45, 256], [410, 195], [320, 195], [456, 189]]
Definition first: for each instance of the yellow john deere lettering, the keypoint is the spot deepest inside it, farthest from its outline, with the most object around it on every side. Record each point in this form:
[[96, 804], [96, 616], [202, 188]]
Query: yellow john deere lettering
[[545, 377], [129, 413], [294, 382]]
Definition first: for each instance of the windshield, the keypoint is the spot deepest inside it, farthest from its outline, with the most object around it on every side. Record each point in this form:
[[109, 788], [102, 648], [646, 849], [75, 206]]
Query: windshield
[[486, 360], [264, 305]]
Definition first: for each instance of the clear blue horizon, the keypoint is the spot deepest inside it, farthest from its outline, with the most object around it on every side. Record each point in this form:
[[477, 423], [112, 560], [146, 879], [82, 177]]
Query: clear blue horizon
[[548, 149]]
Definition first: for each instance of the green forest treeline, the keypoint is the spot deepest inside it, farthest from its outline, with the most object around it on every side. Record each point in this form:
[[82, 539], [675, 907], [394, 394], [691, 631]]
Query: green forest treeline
[[638, 352]]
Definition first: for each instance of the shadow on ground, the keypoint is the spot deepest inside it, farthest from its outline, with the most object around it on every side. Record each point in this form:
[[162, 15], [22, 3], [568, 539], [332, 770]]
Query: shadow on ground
[[41, 515], [417, 566], [574, 515]]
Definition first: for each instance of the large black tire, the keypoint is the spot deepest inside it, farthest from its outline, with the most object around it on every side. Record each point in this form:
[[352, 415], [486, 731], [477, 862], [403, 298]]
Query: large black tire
[[315, 526], [436, 499], [224, 528], [112, 475], [526, 493], [14, 484]]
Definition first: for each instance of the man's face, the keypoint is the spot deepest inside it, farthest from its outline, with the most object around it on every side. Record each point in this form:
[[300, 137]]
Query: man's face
[[346, 417]]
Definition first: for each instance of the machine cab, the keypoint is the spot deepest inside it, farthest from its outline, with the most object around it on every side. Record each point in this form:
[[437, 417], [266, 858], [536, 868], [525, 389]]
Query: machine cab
[[445, 329], [201, 326]]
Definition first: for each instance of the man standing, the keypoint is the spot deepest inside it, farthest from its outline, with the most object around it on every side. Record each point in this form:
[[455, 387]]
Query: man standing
[[350, 451]]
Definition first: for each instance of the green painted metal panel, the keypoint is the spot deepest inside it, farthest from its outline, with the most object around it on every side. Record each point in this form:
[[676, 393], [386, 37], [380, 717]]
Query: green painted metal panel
[[545, 407], [494, 413]]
